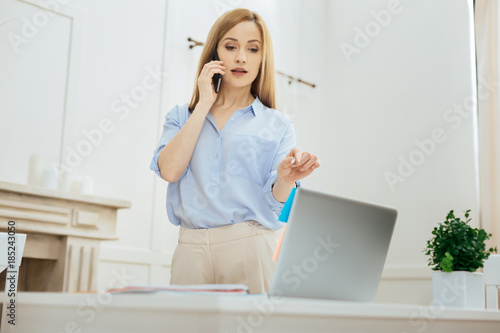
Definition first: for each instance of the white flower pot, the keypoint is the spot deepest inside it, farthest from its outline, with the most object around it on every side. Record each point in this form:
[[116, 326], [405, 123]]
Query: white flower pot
[[458, 289]]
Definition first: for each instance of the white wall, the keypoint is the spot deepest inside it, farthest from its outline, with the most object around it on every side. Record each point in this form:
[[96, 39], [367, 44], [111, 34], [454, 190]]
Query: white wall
[[397, 88], [69, 78], [34, 63]]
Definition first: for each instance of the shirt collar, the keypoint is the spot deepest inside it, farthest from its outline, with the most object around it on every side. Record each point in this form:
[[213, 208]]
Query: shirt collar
[[256, 106]]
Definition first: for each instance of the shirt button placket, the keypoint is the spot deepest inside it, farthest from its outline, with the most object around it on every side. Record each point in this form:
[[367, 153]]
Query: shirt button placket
[[216, 165]]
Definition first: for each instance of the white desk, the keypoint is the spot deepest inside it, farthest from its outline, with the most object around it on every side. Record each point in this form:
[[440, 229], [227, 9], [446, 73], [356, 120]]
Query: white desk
[[58, 312]]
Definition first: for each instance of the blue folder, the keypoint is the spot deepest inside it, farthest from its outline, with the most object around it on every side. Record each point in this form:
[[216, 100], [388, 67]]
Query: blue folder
[[285, 212]]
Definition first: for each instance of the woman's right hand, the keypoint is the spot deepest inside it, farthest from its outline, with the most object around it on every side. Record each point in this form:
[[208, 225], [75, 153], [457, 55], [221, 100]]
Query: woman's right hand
[[205, 83]]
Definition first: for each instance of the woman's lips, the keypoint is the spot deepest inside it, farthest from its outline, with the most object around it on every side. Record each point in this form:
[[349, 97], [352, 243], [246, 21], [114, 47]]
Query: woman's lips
[[238, 73]]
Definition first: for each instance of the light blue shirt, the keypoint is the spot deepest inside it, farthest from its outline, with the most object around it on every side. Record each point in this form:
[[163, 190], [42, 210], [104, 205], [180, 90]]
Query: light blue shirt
[[231, 172]]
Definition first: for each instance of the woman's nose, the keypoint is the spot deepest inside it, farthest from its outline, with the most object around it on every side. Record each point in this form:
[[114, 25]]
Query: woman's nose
[[240, 57]]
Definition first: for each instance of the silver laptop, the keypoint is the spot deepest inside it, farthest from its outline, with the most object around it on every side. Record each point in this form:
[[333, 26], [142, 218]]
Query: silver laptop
[[334, 248]]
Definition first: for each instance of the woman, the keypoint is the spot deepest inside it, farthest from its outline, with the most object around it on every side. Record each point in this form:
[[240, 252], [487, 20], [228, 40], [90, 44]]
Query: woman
[[230, 160]]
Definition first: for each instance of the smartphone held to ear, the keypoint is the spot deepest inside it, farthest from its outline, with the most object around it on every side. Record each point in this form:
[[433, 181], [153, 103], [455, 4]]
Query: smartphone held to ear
[[217, 78]]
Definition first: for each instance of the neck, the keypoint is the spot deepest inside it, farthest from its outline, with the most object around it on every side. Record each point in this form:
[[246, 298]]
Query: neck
[[230, 97]]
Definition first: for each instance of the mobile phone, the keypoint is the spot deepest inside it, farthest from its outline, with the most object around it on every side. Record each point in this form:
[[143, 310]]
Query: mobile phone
[[217, 78]]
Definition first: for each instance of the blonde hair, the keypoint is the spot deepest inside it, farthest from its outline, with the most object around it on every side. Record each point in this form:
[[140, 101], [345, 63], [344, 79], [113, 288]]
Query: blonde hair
[[264, 84]]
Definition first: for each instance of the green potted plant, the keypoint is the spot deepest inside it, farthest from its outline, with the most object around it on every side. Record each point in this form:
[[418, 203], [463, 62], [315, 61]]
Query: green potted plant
[[456, 250]]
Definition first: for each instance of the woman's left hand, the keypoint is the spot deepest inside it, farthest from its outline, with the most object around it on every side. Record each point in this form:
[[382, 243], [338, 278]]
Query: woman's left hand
[[297, 165]]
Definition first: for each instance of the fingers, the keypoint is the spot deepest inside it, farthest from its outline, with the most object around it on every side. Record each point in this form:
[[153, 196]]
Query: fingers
[[300, 160], [211, 68], [293, 172], [304, 160], [307, 161], [292, 158], [296, 154], [215, 64], [313, 163], [215, 68], [205, 80], [288, 161]]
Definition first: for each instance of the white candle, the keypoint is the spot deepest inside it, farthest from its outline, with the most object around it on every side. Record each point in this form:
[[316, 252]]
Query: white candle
[[65, 179], [77, 185], [35, 170], [87, 185], [49, 178]]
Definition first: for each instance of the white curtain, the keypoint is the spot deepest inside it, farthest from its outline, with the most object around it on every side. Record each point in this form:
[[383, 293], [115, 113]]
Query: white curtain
[[487, 24]]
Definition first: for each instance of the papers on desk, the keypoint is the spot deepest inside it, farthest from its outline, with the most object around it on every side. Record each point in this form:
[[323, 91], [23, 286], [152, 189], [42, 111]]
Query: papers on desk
[[205, 289]]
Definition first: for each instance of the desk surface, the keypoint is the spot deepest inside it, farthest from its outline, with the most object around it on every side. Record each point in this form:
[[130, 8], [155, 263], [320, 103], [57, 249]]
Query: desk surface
[[58, 312], [65, 195]]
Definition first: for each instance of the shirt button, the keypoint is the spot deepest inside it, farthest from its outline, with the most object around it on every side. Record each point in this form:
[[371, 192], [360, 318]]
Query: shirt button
[[217, 155]]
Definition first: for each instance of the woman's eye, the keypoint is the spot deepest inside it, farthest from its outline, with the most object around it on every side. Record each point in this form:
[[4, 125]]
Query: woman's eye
[[254, 50], [230, 47]]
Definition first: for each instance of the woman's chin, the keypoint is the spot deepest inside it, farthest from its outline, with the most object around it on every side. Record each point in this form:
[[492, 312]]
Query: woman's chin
[[238, 84]]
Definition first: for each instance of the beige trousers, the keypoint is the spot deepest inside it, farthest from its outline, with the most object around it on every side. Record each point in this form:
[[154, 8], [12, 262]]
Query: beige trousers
[[238, 253]]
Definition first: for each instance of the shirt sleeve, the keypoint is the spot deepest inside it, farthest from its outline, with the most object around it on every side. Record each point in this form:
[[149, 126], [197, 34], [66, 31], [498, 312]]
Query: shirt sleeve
[[288, 142], [171, 127]]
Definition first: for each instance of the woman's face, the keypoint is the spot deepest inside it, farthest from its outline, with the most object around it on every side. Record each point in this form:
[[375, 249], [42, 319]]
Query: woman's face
[[241, 51]]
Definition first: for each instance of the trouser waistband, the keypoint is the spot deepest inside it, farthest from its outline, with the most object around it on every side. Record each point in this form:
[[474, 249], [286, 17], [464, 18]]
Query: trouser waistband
[[222, 234]]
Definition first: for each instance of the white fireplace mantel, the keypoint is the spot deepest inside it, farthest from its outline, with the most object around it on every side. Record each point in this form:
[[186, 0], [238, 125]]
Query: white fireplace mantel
[[64, 233]]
